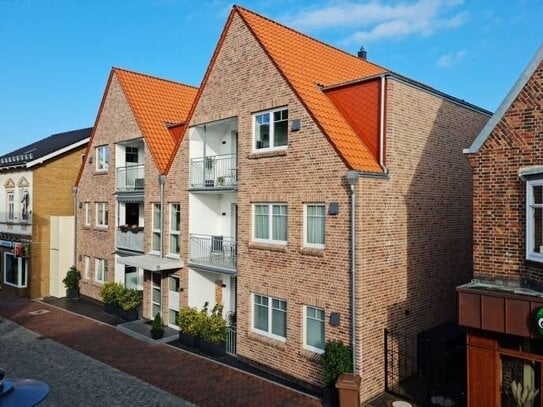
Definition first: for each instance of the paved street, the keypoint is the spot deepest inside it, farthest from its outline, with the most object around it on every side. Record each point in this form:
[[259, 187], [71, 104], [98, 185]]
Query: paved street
[[130, 362]]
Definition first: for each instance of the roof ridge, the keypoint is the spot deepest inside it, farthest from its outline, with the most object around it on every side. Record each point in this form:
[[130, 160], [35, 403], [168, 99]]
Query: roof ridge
[[115, 68], [238, 7]]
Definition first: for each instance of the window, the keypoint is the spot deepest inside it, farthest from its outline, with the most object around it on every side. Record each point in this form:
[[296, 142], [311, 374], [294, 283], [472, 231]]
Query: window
[[87, 267], [25, 205], [314, 329], [102, 158], [15, 270], [101, 214], [87, 214], [270, 223], [314, 225], [270, 316], [100, 270], [534, 220], [271, 129], [131, 277], [157, 220], [11, 206], [175, 227], [131, 155]]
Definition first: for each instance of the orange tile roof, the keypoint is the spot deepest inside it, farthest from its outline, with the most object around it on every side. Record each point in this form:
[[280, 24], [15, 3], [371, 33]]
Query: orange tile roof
[[307, 63], [155, 103]]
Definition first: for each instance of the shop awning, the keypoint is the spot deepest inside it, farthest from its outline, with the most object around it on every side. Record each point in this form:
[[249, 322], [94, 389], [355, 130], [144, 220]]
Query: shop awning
[[151, 262]]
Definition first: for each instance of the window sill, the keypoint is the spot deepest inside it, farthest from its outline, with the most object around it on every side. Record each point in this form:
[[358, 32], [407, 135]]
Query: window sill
[[102, 172], [312, 251], [282, 248], [173, 256], [268, 340], [101, 228], [268, 153], [310, 355]]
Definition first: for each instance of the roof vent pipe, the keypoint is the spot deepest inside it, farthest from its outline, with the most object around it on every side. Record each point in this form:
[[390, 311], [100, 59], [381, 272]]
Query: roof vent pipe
[[362, 54]]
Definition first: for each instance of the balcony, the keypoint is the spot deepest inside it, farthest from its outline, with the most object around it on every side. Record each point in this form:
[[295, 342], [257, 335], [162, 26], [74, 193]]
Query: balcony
[[130, 178], [129, 239], [214, 172], [213, 252]]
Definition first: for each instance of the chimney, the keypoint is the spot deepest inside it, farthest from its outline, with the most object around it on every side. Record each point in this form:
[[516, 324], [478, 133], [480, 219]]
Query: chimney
[[362, 54]]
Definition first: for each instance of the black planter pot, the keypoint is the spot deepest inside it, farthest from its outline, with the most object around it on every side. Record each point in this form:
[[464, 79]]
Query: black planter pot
[[330, 396], [189, 340], [157, 333], [72, 293], [215, 350], [130, 315]]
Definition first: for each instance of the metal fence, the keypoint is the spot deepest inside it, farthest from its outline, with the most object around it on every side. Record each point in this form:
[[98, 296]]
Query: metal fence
[[130, 178], [214, 251], [218, 171], [428, 369], [231, 340]]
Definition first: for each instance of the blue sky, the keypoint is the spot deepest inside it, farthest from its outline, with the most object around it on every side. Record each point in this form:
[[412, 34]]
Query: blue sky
[[55, 56]]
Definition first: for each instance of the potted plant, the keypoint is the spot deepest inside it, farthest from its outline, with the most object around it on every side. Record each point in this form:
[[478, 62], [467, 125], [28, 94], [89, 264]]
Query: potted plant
[[157, 331], [129, 301], [188, 321], [213, 333], [123, 228], [71, 282], [110, 293], [335, 360], [134, 228], [220, 181]]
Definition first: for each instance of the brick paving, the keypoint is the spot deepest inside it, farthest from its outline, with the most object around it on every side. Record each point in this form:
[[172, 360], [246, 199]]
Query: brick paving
[[189, 377]]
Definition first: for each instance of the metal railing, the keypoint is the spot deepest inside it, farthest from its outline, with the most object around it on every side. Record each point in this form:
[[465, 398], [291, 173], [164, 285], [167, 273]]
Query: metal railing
[[129, 240], [213, 251], [217, 171], [130, 178], [231, 340]]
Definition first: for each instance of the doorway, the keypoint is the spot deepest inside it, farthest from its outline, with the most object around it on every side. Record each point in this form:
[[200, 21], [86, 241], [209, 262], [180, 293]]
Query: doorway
[[156, 293], [173, 301]]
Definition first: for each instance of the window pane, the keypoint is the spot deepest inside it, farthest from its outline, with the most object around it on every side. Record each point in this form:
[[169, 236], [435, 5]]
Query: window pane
[[261, 317], [156, 242], [538, 194], [174, 284], [261, 222], [538, 229], [527, 373], [176, 218], [262, 130], [131, 278], [315, 333], [279, 323], [174, 244], [23, 272], [281, 134], [173, 317], [12, 269], [279, 222], [156, 295], [315, 224], [156, 216]]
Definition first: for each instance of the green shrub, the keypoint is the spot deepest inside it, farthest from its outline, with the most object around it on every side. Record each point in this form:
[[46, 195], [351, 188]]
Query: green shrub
[[188, 320], [335, 360], [213, 329], [128, 299], [71, 281], [111, 292], [157, 323]]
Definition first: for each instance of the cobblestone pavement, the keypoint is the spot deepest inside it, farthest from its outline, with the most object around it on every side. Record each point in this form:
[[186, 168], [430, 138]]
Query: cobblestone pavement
[[181, 374], [74, 379]]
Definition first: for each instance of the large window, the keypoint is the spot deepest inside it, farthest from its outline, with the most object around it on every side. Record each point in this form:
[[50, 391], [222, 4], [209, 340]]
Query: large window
[[271, 129], [102, 158], [157, 221], [314, 329], [101, 214], [87, 214], [270, 223], [11, 206], [15, 270], [25, 205], [87, 267], [270, 316], [314, 225], [100, 270], [534, 220], [175, 228]]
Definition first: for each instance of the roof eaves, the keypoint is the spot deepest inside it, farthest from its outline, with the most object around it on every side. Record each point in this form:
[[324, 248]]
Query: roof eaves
[[58, 152], [507, 102]]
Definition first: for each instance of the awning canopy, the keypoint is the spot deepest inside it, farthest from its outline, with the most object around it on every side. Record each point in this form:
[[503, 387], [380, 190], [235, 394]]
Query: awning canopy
[[151, 262]]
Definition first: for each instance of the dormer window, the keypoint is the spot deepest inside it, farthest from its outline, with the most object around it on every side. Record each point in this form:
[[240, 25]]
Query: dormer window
[[270, 130], [534, 220]]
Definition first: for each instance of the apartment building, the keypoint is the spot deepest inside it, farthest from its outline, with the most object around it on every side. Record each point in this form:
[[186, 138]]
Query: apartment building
[[502, 306], [36, 183], [291, 143], [120, 205]]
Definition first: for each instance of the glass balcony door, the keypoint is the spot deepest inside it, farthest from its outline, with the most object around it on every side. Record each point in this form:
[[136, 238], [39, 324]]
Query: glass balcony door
[[156, 293]]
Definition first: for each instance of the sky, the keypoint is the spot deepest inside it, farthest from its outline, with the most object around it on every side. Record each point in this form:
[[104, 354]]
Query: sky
[[56, 55]]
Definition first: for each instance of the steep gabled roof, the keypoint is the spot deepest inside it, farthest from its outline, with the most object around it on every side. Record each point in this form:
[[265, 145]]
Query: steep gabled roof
[[307, 65], [536, 60], [156, 103], [45, 149]]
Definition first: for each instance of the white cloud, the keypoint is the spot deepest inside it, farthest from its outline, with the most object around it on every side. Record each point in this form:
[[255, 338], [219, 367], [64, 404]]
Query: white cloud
[[376, 20], [451, 59]]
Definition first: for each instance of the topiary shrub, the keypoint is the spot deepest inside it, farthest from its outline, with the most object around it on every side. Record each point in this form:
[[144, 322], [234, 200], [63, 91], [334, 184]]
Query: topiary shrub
[[188, 320], [71, 281], [335, 360], [128, 299], [111, 292]]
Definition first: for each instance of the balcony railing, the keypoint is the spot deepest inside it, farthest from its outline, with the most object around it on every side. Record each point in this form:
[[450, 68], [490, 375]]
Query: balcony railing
[[218, 171], [213, 251], [130, 178], [131, 239]]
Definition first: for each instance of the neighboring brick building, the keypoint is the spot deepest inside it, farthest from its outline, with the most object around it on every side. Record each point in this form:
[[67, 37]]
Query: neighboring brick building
[[118, 190], [501, 305], [36, 182], [278, 122]]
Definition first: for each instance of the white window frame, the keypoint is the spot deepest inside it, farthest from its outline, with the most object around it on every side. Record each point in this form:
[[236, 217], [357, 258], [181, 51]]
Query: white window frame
[[87, 214], [102, 214], [272, 146], [530, 254], [10, 205], [100, 269], [174, 232], [102, 162], [268, 333], [305, 317], [270, 223], [86, 267], [22, 267], [306, 243], [156, 228]]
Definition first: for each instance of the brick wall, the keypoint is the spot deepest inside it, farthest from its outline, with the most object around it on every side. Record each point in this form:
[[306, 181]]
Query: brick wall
[[52, 196], [499, 194]]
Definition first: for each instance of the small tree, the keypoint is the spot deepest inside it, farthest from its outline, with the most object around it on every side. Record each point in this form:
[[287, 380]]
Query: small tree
[[335, 360], [71, 281], [157, 323]]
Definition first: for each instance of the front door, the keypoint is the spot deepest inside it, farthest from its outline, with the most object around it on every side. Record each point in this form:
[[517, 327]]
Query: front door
[[156, 293], [173, 301]]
